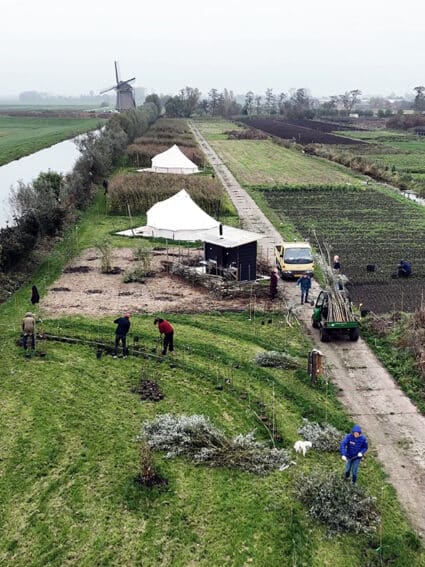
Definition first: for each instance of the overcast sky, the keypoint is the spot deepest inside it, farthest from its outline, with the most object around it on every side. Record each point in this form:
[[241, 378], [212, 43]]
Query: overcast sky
[[328, 46]]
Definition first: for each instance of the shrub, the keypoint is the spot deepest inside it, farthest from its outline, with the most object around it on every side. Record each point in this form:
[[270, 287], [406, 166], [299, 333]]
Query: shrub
[[105, 249], [324, 437], [340, 505], [197, 438], [275, 359]]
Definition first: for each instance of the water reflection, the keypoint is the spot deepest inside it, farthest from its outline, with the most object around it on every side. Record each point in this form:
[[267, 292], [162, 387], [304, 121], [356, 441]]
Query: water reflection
[[60, 157]]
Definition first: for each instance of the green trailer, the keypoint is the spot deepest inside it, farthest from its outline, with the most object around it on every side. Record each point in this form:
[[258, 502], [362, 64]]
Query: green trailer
[[342, 320]]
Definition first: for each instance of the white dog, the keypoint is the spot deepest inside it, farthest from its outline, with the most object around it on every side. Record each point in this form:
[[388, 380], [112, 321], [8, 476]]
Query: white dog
[[302, 446]]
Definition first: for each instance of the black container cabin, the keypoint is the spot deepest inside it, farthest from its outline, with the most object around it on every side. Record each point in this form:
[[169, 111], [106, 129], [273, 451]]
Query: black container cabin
[[233, 253]]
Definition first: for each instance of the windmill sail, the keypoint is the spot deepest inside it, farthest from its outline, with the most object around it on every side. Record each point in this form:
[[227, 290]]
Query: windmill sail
[[125, 92]]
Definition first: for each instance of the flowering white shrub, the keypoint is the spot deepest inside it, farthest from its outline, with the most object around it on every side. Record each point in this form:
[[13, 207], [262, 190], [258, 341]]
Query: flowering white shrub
[[197, 438], [275, 359], [324, 437], [339, 504]]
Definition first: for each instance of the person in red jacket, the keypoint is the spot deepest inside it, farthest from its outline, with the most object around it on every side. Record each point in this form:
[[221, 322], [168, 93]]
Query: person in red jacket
[[167, 330]]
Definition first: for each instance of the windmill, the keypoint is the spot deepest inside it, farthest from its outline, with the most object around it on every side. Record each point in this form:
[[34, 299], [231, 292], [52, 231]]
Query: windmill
[[125, 94]]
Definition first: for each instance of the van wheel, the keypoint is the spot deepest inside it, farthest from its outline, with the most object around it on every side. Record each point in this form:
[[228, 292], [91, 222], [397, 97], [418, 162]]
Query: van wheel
[[325, 337], [354, 334]]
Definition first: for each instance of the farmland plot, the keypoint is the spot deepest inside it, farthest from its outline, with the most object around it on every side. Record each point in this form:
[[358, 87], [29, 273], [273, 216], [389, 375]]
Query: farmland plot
[[300, 134], [367, 226], [255, 162]]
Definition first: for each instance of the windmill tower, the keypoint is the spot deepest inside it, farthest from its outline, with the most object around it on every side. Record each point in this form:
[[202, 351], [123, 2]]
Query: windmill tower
[[125, 94]]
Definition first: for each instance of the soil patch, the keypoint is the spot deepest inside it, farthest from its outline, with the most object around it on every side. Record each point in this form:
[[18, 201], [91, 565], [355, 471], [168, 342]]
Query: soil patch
[[90, 292], [148, 390], [155, 480]]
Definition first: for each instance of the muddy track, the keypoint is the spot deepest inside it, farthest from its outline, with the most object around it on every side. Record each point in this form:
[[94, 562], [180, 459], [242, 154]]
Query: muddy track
[[392, 423]]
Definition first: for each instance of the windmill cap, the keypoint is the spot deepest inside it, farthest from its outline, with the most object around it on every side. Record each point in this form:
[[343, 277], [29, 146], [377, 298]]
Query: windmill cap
[[356, 429]]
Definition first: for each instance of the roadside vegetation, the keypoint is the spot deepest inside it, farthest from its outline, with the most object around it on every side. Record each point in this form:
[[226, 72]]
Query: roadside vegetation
[[21, 136]]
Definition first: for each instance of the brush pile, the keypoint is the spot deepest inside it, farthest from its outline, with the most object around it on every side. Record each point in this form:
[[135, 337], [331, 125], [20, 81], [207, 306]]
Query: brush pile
[[324, 437], [195, 437], [275, 359], [343, 507]]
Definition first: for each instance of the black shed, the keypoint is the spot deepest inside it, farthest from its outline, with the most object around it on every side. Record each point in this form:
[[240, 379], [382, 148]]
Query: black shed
[[232, 252]]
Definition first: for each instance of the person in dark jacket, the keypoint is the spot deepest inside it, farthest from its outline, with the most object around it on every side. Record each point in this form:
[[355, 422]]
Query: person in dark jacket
[[166, 329], [352, 449], [123, 326], [404, 269], [273, 284], [305, 284], [105, 185], [35, 296]]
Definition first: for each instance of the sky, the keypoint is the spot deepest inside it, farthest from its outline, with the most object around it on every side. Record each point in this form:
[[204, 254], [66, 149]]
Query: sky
[[327, 46]]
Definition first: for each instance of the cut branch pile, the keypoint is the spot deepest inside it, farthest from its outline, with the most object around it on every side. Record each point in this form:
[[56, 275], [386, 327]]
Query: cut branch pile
[[197, 438]]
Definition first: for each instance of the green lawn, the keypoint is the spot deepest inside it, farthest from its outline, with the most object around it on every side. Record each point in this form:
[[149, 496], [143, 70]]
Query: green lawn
[[254, 162], [20, 136], [68, 456], [214, 129]]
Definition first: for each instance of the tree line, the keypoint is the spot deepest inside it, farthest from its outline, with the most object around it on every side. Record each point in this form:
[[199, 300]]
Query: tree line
[[295, 104]]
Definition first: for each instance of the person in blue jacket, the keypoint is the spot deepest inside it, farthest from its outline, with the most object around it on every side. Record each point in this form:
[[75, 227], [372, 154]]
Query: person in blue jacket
[[404, 269], [352, 448], [305, 284]]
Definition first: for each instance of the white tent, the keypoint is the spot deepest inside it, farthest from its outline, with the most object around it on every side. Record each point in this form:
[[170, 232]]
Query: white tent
[[177, 218], [173, 160]]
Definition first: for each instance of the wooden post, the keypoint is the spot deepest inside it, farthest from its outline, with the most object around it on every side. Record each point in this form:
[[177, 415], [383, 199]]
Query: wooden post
[[315, 365]]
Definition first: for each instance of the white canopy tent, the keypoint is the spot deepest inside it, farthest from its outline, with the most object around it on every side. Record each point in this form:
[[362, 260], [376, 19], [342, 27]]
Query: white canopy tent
[[173, 160], [176, 218]]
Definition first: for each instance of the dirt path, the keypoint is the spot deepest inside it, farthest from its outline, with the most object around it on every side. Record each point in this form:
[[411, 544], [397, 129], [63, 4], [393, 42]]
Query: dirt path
[[393, 425]]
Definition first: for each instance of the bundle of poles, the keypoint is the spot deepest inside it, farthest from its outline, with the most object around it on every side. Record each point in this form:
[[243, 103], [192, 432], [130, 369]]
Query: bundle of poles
[[339, 306]]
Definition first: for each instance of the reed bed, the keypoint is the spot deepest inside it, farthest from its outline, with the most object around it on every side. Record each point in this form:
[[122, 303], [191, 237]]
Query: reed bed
[[142, 153], [142, 190]]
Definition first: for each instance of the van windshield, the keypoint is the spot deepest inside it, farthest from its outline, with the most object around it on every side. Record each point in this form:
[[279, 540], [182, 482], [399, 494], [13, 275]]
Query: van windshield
[[298, 256]]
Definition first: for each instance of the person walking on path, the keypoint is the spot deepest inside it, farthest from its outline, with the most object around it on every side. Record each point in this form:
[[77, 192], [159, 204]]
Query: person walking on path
[[305, 284], [352, 449], [273, 284], [123, 326], [28, 329], [166, 329]]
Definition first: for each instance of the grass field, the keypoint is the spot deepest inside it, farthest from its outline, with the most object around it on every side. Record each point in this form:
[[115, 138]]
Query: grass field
[[68, 456], [254, 162], [21, 136]]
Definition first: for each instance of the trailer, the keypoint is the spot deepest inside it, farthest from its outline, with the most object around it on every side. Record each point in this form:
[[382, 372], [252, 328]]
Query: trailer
[[333, 315]]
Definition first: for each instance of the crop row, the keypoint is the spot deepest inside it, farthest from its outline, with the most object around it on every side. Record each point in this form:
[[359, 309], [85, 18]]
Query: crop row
[[366, 227]]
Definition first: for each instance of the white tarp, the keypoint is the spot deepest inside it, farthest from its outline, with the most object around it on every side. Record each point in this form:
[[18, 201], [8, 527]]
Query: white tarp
[[173, 160]]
